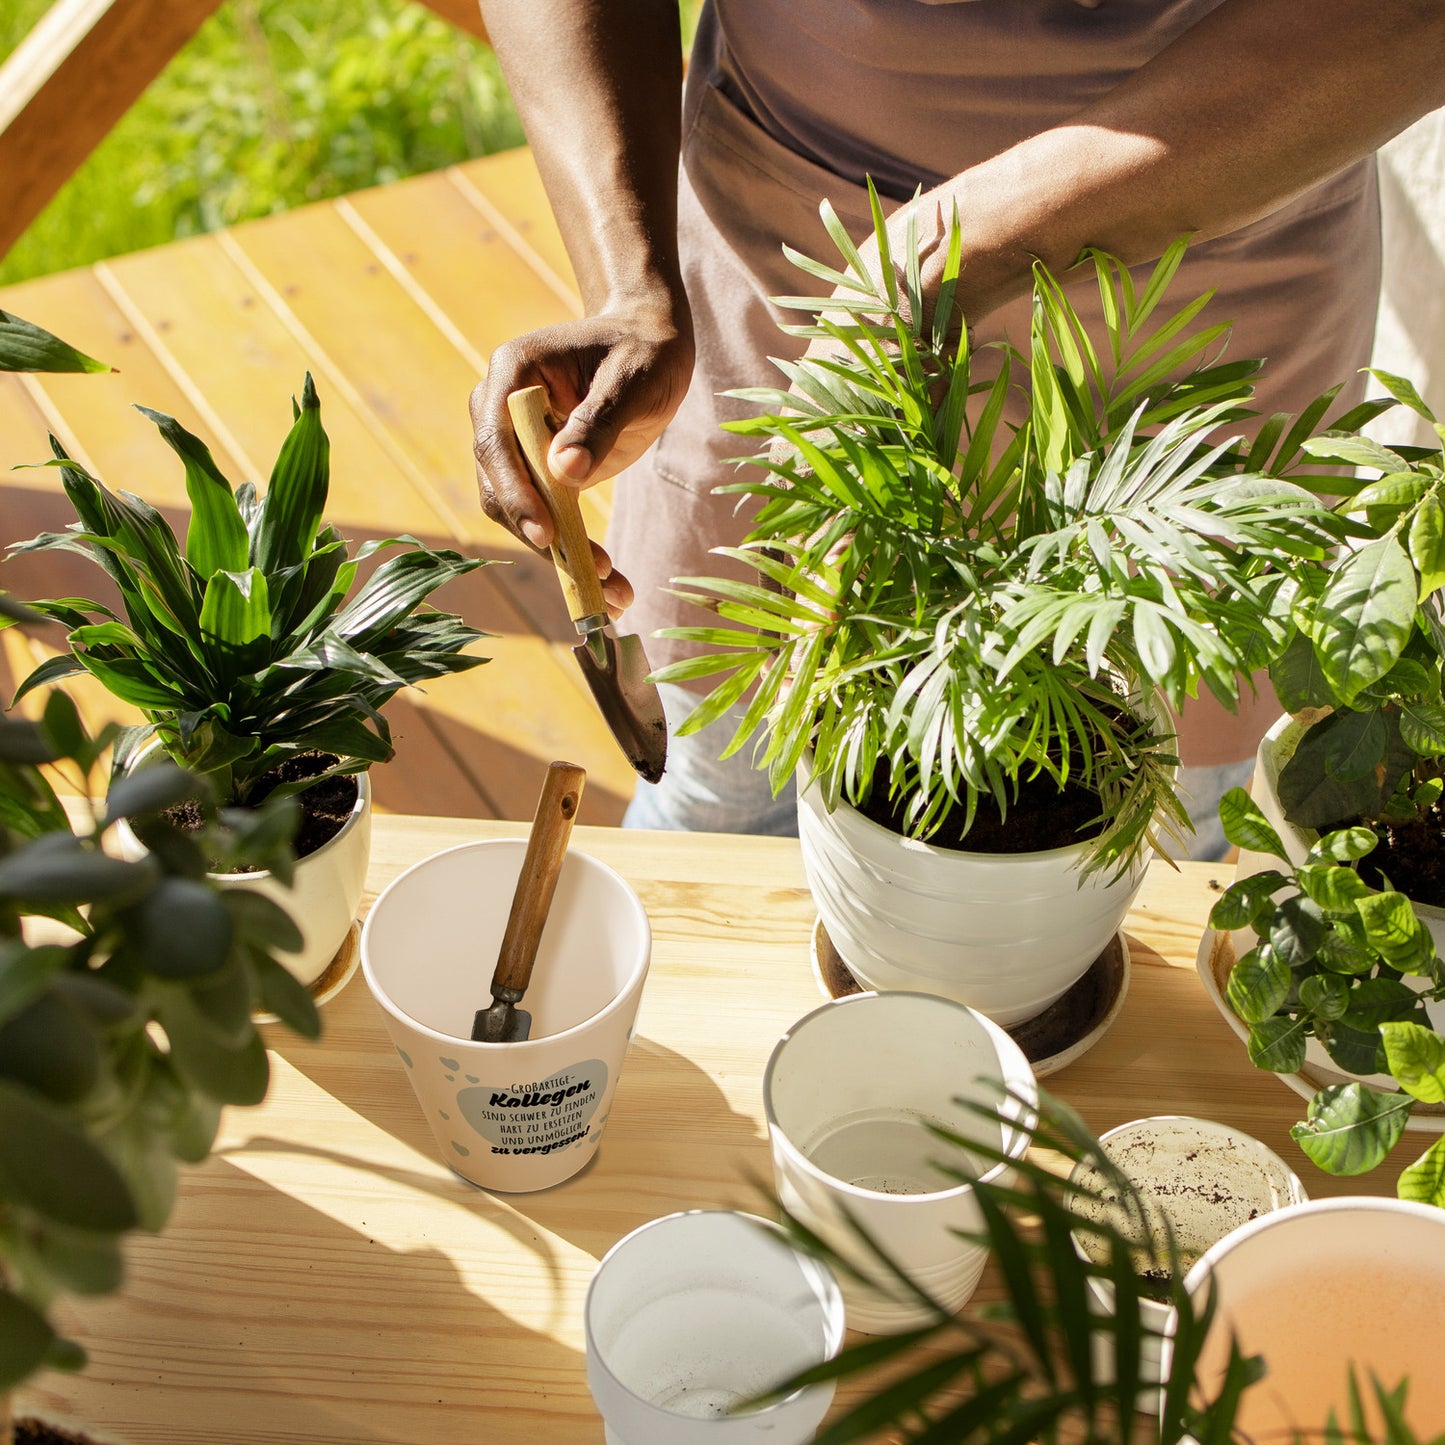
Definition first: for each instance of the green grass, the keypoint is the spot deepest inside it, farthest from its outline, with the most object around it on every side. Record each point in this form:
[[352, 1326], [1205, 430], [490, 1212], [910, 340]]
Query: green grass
[[274, 103]]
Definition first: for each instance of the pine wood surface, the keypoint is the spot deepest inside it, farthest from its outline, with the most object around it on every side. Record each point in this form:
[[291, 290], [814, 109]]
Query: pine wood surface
[[325, 1279], [394, 299]]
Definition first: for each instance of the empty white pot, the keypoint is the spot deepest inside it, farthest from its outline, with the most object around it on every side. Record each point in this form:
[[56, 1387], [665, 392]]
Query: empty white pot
[[1318, 1288]]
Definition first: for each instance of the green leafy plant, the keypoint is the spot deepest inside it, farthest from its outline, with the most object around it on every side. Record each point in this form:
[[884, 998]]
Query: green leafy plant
[[1333, 959], [952, 605], [1363, 662], [248, 646], [127, 991]]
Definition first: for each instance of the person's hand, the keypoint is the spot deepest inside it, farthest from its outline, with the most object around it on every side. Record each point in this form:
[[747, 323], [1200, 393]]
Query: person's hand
[[614, 382]]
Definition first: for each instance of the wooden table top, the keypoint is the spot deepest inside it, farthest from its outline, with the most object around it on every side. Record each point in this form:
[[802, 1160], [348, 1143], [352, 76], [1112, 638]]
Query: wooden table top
[[326, 1279]]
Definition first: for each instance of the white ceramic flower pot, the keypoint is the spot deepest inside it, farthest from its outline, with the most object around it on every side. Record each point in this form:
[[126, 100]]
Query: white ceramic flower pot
[[326, 892], [1275, 750], [1318, 1287], [1206, 1180], [1006, 934]]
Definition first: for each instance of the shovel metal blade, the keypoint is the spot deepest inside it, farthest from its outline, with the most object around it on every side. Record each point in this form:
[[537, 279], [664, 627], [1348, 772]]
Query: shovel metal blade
[[617, 671], [502, 1023]]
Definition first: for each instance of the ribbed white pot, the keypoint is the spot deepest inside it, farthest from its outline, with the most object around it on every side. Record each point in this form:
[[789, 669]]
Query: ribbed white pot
[[1275, 750], [326, 891], [1006, 934]]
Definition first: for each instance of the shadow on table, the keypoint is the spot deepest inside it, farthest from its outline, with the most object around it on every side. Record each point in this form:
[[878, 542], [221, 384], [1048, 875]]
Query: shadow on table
[[283, 1323], [671, 1141]]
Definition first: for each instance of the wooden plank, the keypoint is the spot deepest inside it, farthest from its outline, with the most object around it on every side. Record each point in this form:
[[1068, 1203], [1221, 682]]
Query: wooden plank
[[507, 188], [454, 256], [66, 84], [98, 413]]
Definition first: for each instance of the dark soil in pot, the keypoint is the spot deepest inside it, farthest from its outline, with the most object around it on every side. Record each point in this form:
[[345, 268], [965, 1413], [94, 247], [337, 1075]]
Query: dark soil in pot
[[30, 1431], [1411, 856], [1041, 817], [324, 807]]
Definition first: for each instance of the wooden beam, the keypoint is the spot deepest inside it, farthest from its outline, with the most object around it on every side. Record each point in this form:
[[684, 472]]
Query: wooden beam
[[69, 81], [464, 14]]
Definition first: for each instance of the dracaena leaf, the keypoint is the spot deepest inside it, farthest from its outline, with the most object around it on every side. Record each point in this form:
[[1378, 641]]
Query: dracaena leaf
[[296, 494]]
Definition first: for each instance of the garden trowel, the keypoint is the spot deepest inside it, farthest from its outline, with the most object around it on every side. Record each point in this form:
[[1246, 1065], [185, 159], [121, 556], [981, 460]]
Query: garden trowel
[[615, 667], [503, 1022]]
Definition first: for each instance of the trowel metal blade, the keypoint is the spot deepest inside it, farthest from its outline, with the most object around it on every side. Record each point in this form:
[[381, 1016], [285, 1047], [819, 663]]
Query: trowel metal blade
[[627, 699], [502, 1023]]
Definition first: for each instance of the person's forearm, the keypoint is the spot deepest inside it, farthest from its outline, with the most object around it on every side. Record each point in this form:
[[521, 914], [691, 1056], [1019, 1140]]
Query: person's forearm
[[598, 84], [1254, 105]]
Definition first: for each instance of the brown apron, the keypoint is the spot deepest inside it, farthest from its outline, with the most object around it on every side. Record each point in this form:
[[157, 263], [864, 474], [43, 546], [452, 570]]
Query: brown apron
[[787, 103]]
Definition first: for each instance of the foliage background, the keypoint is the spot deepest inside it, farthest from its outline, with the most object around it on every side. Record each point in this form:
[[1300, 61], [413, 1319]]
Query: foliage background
[[273, 103]]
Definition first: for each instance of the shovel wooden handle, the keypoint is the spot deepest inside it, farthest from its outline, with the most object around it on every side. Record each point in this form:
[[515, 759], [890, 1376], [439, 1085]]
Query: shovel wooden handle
[[546, 848], [571, 550]]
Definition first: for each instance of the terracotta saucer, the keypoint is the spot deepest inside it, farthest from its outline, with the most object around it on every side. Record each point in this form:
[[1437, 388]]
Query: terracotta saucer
[[336, 975], [1050, 1041]]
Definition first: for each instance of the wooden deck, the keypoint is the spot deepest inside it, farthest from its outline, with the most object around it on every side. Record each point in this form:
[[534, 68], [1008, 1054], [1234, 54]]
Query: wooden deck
[[393, 298]]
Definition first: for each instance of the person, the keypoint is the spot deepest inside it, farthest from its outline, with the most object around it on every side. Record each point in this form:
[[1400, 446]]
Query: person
[[1050, 125]]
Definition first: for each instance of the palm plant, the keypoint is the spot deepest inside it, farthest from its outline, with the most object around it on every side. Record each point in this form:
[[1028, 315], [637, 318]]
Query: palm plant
[[248, 646], [1039, 1363], [952, 604]]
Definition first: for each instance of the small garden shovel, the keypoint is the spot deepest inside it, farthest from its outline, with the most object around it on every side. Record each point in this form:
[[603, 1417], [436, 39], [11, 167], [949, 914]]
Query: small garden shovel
[[503, 1022]]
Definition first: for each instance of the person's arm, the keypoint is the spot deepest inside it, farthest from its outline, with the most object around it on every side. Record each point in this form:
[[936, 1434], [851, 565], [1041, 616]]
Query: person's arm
[[598, 86], [1259, 101]]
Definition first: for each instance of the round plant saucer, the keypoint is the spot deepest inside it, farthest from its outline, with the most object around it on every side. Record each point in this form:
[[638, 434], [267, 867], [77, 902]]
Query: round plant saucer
[[1215, 960], [335, 976], [1050, 1041]]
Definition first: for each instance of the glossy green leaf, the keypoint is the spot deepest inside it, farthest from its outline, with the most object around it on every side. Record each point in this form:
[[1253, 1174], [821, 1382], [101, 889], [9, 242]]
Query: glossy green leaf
[[1355, 747], [1324, 995], [1345, 845], [1422, 725], [1278, 1044], [1395, 933], [1299, 679], [217, 540], [49, 1165], [1365, 616], [1416, 1056], [1246, 826], [296, 494], [1427, 544], [1258, 984], [27, 347], [237, 608], [1349, 1129], [1296, 931], [1244, 899], [1424, 1180]]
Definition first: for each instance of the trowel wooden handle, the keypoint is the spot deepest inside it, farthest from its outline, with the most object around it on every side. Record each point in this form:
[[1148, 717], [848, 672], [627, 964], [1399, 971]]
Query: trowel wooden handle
[[571, 551], [546, 848]]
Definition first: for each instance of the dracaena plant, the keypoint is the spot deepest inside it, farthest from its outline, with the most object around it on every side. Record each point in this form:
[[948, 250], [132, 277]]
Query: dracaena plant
[[1363, 663], [1333, 959], [957, 604], [252, 643], [127, 992]]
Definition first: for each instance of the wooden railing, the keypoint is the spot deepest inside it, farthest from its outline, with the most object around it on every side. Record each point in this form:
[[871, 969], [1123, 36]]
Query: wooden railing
[[77, 73]]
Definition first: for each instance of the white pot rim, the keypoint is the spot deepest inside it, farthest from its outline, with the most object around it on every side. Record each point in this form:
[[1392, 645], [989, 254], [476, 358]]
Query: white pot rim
[[1013, 1066], [830, 1302], [1282, 1218], [522, 1047], [255, 875]]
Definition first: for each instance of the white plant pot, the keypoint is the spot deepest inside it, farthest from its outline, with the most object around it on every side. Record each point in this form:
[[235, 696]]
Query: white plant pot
[[1206, 1180], [1006, 934], [1275, 750], [1318, 1287], [326, 891]]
